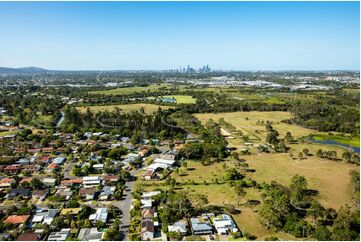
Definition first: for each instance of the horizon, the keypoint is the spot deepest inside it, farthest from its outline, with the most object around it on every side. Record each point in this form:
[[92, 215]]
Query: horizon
[[159, 36]]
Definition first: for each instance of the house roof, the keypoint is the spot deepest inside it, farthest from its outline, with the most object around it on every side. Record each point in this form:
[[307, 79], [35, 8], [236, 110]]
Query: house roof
[[72, 181], [17, 219], [26, 179], [53, 166], [85, 191], [111, 178], [7, 180], [28, 236], [147, 226], [147, 213]]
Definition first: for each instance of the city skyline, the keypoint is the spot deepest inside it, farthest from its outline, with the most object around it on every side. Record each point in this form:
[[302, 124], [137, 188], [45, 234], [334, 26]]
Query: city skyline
[[166, 35]]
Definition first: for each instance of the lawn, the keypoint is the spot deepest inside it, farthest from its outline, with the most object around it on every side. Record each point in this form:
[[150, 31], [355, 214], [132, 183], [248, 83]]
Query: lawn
[[148, 108], [182, 99]]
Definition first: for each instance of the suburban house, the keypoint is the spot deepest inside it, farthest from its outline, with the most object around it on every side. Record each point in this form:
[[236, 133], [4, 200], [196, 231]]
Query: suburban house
[[149, 174], [7, 182], [44, 217], [91, 181], [29, 236], [48, 181], [200, 226], [52, 167], [106, 193], [148, 214], [69, 183], [87, 193], [147, 232], [62, 235], [12, 169], [180, 227], [110, 179], [224, 224], [100, 215], [19, 192], [40, 194], [17, 219], [90, 234]]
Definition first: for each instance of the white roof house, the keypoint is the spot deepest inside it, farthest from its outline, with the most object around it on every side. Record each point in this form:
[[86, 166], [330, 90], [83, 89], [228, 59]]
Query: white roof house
[[224, 223], [147, 195], [164, 161], [156, 166], [100, 215], [59, 236], [146, 203], [89, 181], [179, 227], [98, 166], [90, 234]]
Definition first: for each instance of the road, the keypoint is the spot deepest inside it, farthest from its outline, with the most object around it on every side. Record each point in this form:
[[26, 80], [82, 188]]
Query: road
[[124, 205]]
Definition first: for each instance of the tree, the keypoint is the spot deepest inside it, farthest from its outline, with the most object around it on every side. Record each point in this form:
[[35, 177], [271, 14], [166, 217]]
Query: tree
[[291, 156], [319, 153], [300, 155], [298, 188], [347, 225], [240, 192], [322, 233], [346, 156], [306, 151]]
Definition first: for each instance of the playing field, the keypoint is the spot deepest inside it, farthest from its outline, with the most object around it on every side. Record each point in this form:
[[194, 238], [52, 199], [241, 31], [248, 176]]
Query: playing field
[[182, 99], [148, 108]]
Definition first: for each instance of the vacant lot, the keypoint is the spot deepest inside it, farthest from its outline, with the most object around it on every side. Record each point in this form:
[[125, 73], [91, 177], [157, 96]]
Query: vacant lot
[[247, 123], [330, 178], [182, 99], [148, 108]]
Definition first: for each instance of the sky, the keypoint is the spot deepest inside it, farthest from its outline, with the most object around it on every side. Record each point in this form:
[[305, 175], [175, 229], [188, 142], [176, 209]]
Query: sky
[[167, 35]]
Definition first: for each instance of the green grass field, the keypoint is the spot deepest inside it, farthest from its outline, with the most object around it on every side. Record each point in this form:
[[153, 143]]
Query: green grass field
[[182, 99], [130, 90], [148, 108]]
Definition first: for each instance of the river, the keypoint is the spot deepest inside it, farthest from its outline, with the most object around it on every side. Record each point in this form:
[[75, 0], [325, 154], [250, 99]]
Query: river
[[333, 142]]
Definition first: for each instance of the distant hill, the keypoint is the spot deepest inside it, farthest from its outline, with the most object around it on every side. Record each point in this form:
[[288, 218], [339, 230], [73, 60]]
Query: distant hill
[[21, 70]]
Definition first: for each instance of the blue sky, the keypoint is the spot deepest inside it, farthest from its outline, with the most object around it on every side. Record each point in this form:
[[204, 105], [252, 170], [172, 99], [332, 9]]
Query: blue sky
[[165, 35]]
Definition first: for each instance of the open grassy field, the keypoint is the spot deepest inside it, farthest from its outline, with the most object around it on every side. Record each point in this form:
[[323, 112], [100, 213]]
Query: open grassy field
[[247, 123], [148, 108], [129, 90], [330, 178], [182, 99]]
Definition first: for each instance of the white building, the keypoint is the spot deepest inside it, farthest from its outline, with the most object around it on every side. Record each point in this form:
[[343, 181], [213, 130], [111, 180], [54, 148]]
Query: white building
[[100, 215], [224, 224], [91, 181]]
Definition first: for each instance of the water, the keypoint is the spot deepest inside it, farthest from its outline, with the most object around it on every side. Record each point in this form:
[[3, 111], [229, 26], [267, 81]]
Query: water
[[60, 120], [333, 142]]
